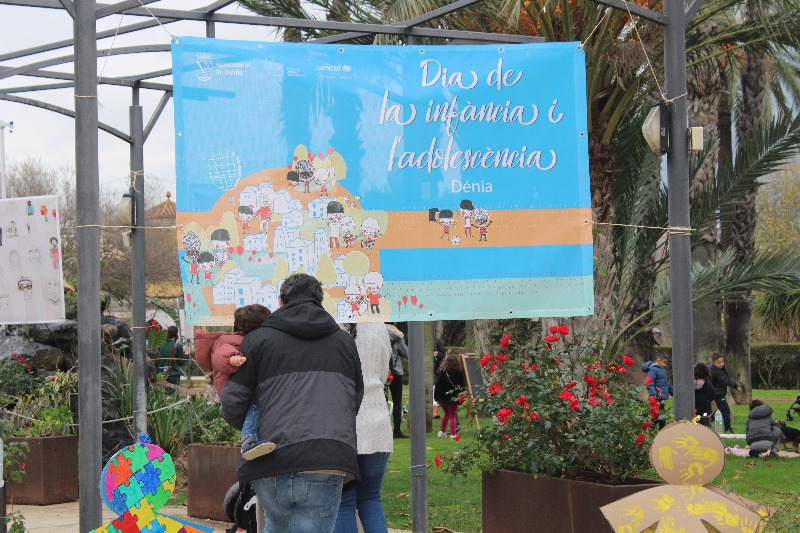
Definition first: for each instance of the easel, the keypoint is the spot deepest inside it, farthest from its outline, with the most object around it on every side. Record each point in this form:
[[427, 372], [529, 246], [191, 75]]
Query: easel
[[472, 371]]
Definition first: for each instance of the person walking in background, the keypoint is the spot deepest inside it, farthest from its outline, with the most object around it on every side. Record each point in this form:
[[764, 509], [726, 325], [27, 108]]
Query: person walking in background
[[721, 381], [399, 350], [374, 433], [703, 393], [449, 386], [305, 374], [171, 357], [438, 357], [218, 352], [762, 433], [658, 384]]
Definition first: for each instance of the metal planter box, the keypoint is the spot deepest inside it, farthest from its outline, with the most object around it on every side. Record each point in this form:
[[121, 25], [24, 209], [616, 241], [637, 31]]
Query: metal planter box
[[51, 468], [211, 472]]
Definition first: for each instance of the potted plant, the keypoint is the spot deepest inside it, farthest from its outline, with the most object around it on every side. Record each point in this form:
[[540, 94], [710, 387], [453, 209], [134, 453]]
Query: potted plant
[[42, 419], [570, 434], [212, 465]]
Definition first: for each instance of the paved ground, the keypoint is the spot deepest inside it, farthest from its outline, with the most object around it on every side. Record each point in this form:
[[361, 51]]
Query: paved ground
[[64, 518]]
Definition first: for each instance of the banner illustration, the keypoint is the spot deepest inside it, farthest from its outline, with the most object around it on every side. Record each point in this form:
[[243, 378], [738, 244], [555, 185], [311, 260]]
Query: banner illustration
[[416, 183]]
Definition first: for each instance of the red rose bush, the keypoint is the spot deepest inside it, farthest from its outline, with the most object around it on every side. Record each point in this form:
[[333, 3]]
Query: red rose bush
[[559, 409]]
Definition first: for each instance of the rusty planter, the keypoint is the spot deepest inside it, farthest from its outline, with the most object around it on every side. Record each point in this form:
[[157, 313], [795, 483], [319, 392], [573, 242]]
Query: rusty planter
[[514, 502], [211, 472], [51, 472]]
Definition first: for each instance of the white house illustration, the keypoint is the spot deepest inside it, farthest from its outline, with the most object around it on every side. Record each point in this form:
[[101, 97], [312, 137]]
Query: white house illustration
[[292, 219], [256, 241], [222, 292], [341, 275], [249, 196], [344, 311], [321, 244], [245, 289], [268, 296], [266, 194], [318, 208], [282, 202], [283, 236], [300, 254]]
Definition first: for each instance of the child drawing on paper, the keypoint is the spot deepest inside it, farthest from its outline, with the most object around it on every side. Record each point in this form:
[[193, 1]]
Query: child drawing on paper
[[483, 220], [53, 294], [465, 211], [43, 211], [245, 216], [370, 230], [447, 221], [29, 208], [34, 256], [14, 261], [54, 252], [11, 230], [205, 261], [25, 285]]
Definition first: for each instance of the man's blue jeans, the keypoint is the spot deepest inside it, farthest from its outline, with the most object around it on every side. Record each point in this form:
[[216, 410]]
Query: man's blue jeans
[[366, 496], [299, 502]]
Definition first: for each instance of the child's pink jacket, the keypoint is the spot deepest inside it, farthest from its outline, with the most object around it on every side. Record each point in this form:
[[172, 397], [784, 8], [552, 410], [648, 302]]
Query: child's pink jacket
[[213, 351]]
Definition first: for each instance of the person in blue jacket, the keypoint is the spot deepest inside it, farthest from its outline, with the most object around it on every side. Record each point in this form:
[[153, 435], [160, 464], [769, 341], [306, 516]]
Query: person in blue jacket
[[658, 384]]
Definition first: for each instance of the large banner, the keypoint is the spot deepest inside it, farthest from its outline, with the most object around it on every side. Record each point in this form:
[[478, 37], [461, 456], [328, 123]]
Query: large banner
[[415, 182], [31, 279]]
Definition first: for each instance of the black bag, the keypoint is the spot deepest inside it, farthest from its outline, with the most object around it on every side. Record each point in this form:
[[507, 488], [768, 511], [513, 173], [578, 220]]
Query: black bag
[[240, 506]]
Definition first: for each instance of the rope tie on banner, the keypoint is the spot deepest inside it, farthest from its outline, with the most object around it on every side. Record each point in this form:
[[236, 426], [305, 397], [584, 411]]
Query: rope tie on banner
[[113, 40], [671, 230], [593, 30], [171, 36], [647, 57]]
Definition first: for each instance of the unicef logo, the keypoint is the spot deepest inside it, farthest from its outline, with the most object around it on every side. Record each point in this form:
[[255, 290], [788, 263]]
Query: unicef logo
[[204, 67], [346, 68]]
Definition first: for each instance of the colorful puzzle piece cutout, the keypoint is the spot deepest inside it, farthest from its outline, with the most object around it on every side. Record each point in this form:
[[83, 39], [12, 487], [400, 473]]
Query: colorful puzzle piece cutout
[[135, 484]]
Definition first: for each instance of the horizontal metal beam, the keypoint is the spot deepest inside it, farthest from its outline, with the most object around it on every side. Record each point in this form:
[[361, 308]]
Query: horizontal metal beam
[[64, 111], [105, 80], [641, 12], [150, 75], [70, 58], [113, 9], [42, 87], [69, 7]]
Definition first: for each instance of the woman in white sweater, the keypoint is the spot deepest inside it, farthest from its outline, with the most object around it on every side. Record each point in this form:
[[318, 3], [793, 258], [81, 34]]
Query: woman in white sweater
[[374, 433]]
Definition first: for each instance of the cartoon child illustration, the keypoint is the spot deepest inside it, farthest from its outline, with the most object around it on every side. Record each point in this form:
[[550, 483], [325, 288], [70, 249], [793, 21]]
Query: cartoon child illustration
[[220, 241], [25, 285], [264, 213], [54, 251], [34, 255], [348, 227], [191, 257], [205, 262], [373, 281], [465, 210], [11, 230], [43, 211], [53, 292], [447, 221], [353, 296], [335, 214], [482, 219], [322, 177], [305, 171], [245, 216], [29, 208], [370, 230]]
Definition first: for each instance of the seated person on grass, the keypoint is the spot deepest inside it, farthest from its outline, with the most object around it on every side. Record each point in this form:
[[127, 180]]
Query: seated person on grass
[[762, 433]]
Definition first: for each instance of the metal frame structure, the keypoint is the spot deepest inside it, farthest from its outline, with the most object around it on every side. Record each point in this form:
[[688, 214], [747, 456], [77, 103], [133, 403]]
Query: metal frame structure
[[83, 78]]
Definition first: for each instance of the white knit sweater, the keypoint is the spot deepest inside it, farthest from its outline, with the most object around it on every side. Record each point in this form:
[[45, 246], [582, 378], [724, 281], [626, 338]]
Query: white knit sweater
[[373, 426]]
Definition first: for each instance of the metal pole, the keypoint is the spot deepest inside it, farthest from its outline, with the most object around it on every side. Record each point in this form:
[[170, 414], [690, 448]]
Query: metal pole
[[138, 338], [3, 125], [88, 243], [417, 409], [680, 262]]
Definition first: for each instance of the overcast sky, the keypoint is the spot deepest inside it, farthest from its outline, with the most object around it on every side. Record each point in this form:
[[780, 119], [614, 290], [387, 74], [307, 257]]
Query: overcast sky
[[50, 136]]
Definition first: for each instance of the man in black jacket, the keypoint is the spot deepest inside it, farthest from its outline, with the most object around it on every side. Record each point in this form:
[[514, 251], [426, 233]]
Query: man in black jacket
[[304, 373]]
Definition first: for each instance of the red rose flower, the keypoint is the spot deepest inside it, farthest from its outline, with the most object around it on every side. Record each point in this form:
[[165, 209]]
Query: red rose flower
[[503, 415], [462, 398], [494, 388], [553, 329], [522, 400], [640, 439], [570, 385], [505, 436], [501, 357], [390, 377], [622, 370], [533, 366], [457, 437], [534, 416], [504, 341], [564, 330], [627, 360], [551, 338], [485, 359], [566, 396], [438, 460], [575, 405], [647, 424]]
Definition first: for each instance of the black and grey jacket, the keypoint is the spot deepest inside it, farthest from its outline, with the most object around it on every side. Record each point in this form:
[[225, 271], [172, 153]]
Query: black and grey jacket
[[761, 426], [721, 381], [305, 374]]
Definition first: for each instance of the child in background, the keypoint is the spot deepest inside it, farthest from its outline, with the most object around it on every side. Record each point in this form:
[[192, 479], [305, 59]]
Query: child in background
[[218, 352], [721, 381], [762, 433], [449, 385], [703, 393]]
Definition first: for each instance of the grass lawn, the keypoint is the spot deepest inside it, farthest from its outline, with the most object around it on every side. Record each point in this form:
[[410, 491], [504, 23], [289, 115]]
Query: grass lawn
[[455, 502]]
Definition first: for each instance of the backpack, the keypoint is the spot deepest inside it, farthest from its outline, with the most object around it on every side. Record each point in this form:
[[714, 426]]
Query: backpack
[[240, 507]]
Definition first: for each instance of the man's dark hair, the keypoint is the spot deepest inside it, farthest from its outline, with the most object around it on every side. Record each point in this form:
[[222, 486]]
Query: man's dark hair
[[249, 317], [172, 332], [755, 403], [301, 286]]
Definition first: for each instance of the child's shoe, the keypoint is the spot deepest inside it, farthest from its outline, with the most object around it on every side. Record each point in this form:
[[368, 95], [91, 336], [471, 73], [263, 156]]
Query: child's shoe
[[753, 453], [442, 435], [252, 449]]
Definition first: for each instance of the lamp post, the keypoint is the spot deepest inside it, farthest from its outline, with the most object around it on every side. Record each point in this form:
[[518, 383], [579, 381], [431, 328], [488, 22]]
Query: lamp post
[[3, 125]]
